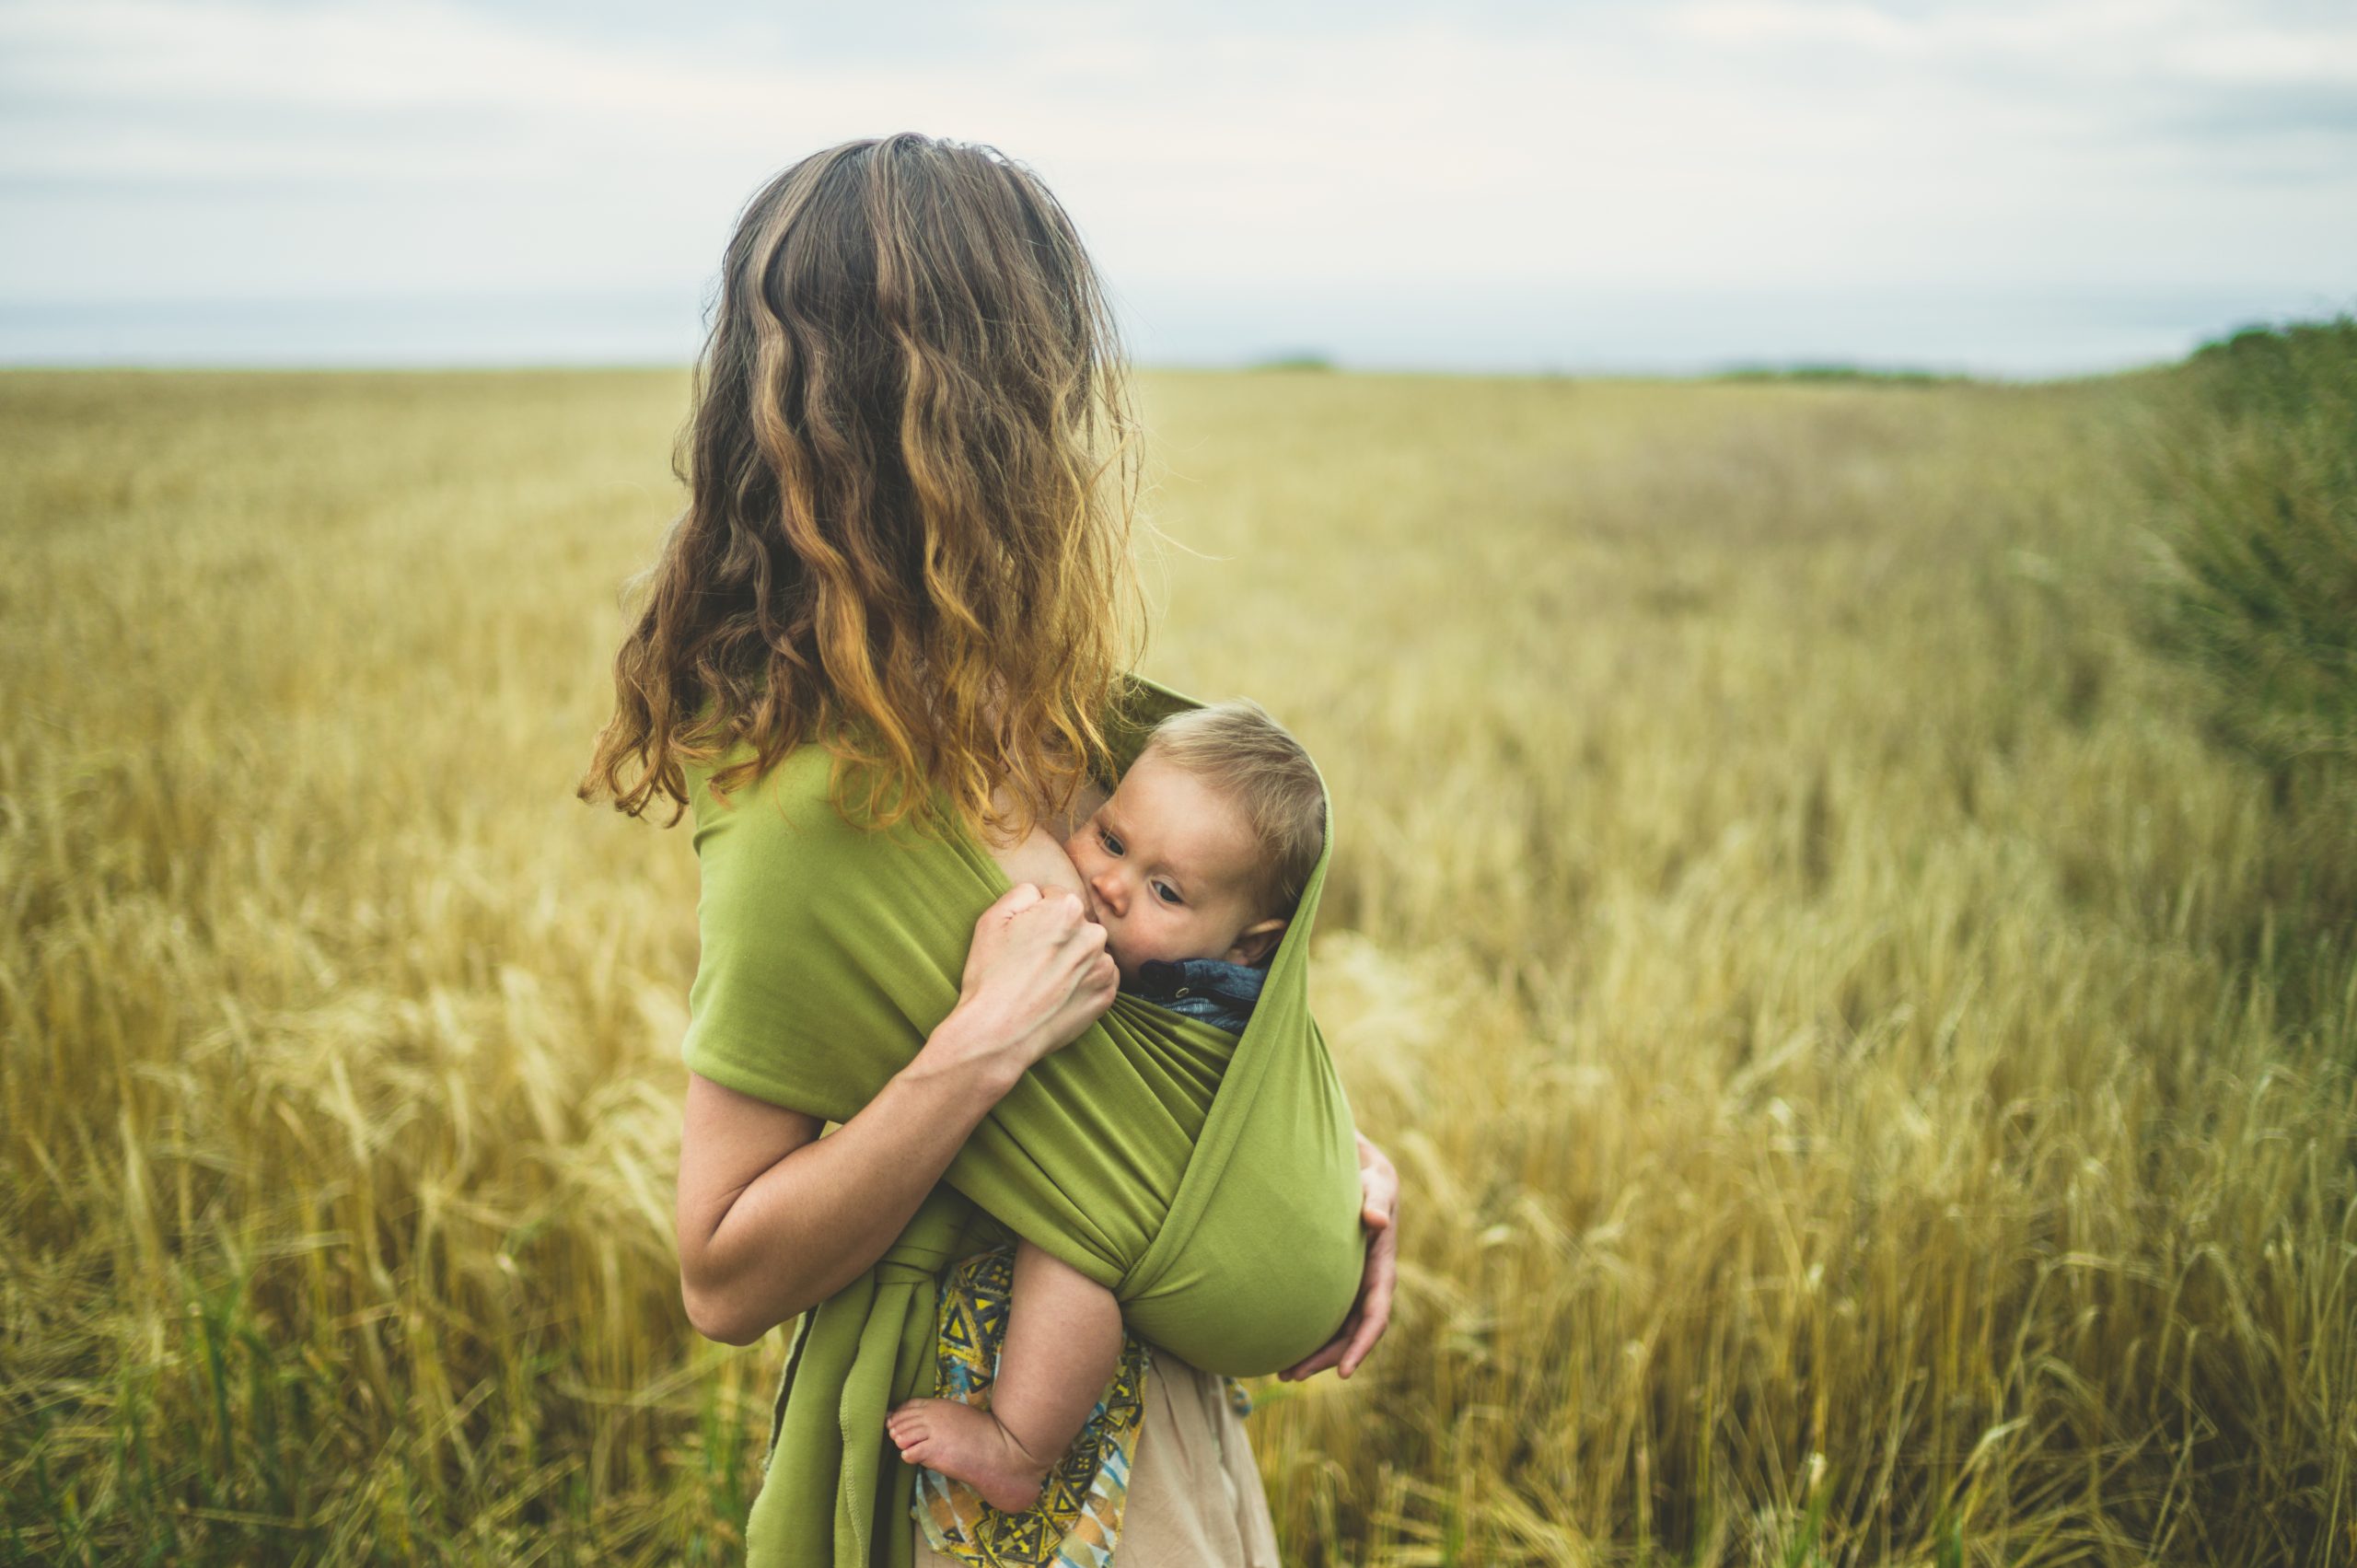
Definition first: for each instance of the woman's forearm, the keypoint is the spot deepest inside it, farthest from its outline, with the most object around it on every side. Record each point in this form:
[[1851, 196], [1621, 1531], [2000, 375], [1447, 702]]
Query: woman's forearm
[[773, 1219], [763, 1238]]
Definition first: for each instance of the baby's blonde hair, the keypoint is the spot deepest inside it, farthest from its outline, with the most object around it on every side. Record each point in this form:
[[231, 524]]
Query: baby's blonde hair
[[1239, 750]]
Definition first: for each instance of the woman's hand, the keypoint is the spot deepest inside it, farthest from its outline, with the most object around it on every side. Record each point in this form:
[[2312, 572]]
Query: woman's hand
[[1036, 976], [1371, 1313]]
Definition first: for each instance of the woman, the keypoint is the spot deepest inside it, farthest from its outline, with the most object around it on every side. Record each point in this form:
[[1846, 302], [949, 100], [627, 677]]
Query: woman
[[904, 556]]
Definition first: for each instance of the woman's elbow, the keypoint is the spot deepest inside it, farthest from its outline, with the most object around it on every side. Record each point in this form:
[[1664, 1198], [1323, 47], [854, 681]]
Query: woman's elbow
[[715, 1317], [738, 1309]]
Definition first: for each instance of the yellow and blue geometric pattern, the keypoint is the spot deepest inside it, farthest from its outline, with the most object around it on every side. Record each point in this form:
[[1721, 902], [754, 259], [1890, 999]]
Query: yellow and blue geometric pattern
[[1077, 1520]]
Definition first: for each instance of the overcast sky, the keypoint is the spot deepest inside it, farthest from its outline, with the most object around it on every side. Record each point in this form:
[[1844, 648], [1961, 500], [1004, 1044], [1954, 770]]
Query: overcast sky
[[2020, 188]]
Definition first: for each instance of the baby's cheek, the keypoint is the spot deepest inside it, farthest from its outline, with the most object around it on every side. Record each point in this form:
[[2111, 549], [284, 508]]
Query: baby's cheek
[[1144, 941]]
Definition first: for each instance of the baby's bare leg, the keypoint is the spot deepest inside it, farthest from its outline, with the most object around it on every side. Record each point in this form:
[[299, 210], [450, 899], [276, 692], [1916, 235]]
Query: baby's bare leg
[[1063, 1340]]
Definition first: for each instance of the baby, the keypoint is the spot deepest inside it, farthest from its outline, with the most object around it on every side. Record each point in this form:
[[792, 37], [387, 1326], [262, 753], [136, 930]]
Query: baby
[[1194, 866]]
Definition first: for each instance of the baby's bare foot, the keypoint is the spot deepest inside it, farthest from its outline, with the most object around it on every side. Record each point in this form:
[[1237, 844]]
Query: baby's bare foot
[[967, 1445]]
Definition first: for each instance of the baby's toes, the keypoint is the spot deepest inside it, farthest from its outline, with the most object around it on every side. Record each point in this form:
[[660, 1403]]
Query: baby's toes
[[915, 1443]]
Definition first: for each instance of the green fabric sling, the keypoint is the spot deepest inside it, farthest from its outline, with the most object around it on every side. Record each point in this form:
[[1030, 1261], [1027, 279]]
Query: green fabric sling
[[1211, 1183]]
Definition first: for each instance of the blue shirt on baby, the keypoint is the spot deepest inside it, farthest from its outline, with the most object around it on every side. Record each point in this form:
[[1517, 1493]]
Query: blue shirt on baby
[[1222, 994]]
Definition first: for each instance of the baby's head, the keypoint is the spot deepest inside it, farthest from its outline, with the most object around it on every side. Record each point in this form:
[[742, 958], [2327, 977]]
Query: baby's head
[[1204, 849]]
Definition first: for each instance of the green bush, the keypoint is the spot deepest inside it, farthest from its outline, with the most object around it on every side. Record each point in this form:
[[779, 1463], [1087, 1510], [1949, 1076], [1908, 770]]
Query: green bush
[[2255, 477]]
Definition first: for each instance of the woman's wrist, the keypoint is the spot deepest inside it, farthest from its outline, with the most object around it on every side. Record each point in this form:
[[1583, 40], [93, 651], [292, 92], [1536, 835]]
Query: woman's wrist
[[966, 1052]]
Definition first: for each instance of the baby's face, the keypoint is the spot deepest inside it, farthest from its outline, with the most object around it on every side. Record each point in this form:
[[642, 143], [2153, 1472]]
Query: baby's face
[[1166, 867]]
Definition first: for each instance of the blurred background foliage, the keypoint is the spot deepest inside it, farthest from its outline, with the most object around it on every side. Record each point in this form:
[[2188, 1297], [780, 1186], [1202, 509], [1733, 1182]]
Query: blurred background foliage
[[1842, 914]]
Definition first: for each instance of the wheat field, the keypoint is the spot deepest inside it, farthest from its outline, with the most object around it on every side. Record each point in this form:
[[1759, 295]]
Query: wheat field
[[1871, 1074]]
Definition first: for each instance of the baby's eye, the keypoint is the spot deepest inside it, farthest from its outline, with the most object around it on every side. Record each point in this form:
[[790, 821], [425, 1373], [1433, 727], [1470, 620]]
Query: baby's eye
[[1167, 893], [1112, 845]]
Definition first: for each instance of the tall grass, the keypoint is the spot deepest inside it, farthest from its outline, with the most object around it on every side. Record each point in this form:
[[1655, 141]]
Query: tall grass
[[1821, 981]]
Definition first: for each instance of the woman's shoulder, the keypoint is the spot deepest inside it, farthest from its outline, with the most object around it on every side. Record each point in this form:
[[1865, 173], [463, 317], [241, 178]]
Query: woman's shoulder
[[773, 839], [790, 787], [795, 831]]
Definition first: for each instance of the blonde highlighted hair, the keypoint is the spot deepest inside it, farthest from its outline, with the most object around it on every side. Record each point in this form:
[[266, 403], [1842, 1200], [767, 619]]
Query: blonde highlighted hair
[[912, 475], [1237, 748]]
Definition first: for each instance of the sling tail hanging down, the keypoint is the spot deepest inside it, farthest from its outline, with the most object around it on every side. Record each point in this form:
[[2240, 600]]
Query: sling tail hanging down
[[1210, 1182]]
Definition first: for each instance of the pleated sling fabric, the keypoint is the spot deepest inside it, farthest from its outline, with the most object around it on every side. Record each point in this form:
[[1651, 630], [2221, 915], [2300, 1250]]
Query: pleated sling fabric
[[1211, 1183]]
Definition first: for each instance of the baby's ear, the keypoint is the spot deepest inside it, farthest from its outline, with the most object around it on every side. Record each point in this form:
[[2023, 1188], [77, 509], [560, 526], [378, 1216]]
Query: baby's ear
[[1256, 942]]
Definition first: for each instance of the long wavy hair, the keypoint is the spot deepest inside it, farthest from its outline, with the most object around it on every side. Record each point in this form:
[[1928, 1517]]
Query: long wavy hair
[[911, 472]]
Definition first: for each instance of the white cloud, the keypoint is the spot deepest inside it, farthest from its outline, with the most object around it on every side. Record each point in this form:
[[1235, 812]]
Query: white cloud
[[1723, 144], [2194, 40]]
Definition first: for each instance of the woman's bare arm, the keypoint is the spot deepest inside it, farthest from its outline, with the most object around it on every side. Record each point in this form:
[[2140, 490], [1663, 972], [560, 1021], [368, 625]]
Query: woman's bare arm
[[773, 1219]]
